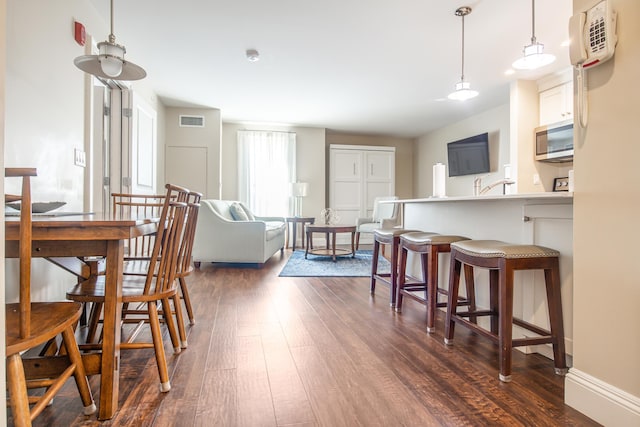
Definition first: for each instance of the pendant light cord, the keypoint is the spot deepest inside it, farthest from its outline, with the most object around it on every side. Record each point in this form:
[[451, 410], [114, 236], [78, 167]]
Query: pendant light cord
[[462, 72], [112, 37], [533, 21]]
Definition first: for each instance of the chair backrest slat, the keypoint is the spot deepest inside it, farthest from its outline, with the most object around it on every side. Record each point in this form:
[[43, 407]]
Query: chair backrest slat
[[24, 244], [186, 245], [141, 206], [164, 256]]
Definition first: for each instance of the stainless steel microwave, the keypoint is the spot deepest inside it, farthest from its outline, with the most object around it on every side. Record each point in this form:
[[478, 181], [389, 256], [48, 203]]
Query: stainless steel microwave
[[554, 142]]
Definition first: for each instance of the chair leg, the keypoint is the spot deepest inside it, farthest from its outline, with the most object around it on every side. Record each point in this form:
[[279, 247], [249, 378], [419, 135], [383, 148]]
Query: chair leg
[[177, 306], [168, 319], [187, 300], [80, 375], [94, 319], [17, 386], [357, 240], [161, 360]]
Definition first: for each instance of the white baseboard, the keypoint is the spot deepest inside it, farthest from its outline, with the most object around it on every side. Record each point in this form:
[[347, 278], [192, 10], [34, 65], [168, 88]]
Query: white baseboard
[[600, 401]]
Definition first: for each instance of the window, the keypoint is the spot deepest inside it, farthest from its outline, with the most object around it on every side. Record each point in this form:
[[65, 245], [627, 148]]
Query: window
[[266, 167]]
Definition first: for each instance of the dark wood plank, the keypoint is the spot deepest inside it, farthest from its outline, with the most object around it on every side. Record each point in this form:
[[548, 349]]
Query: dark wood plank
[[321, 352]]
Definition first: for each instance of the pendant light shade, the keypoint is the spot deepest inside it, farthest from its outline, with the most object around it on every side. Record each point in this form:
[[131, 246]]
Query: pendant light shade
[[109, 63], [533, 54], [463, 89]]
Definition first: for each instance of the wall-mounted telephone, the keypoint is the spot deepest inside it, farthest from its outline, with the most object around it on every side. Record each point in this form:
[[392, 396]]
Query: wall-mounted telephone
[[593, 41], [593, 35]]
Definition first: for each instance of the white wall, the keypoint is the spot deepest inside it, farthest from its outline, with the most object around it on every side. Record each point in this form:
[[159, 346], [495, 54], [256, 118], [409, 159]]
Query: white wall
[[432, 148], [310, 162], [604, 382], [196, 140], [511, 138], [45, 110], [524, 106]]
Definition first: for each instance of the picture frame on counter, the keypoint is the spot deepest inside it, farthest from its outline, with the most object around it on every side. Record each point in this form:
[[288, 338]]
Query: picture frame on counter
[[561, 184]]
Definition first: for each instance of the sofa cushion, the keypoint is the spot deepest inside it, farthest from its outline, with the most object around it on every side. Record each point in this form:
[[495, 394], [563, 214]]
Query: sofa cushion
[[274, 229], [248, 212], [237, 212]]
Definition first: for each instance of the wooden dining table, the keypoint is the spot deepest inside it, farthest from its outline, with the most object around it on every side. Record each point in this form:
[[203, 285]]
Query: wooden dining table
[[90, 235]]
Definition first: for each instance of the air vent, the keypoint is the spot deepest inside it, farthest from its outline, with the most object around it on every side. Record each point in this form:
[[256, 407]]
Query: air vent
[[192, 121]]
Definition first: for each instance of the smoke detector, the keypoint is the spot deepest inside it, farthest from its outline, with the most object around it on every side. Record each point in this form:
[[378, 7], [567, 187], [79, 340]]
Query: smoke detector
[[252, 55]]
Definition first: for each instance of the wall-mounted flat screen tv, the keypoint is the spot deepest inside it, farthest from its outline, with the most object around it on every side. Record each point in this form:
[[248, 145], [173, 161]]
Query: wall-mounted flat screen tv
[[469, 156]]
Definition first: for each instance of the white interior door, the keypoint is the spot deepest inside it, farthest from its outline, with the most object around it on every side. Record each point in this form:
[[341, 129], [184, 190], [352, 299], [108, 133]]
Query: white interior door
[[123, 153], [345, 190], [143, 153], [97, 198]]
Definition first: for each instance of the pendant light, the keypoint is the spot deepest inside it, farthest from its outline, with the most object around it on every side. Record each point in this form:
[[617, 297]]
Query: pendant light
[[463, 89], [533, 54], [109, 63]]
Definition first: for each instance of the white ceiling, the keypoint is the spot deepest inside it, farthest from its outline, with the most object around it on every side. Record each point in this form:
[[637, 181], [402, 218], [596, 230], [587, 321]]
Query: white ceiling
[[361, 66]]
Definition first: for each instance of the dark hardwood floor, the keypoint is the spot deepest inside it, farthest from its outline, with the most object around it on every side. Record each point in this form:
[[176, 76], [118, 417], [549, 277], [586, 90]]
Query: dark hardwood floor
[[271, 351]]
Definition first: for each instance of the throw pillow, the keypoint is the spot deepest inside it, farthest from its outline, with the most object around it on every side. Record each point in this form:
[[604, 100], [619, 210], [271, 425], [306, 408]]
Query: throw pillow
[[249, 214], [237, 212]]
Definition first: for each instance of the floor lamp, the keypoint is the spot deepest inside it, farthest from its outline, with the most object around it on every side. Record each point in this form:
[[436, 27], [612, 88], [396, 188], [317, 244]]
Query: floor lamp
[[298, 191]]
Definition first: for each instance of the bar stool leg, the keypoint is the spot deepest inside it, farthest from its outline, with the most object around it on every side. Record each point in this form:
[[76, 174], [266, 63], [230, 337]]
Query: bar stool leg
[[374, 266], [394, 271], [505, 307], [469, 282], [454, 282], [431, 280], [402, 277], [554, 302], [494, 278]]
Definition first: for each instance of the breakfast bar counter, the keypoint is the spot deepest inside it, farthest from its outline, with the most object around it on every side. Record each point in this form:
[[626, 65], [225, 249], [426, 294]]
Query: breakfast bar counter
[[544, 219]]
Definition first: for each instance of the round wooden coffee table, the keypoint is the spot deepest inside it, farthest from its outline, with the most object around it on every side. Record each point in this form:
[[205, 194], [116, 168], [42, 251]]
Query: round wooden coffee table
[[330, 249]]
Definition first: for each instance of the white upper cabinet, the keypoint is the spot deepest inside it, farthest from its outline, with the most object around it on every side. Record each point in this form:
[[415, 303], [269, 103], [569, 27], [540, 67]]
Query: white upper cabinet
[[556, 97], [556, 104]]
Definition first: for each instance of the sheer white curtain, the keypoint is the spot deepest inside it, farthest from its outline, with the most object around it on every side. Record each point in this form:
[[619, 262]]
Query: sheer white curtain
[[266, 167]]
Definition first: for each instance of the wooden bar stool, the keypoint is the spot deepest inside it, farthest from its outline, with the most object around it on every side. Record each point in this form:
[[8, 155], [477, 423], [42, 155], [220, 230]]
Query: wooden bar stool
[[502, 259], [428, 246], [387, 236]]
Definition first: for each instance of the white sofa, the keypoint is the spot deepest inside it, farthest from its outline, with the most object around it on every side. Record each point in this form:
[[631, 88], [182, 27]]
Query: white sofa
[[221, 238]]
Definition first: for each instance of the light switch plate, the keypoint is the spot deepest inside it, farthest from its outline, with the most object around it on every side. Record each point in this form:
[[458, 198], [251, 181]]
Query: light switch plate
[[79, 158]]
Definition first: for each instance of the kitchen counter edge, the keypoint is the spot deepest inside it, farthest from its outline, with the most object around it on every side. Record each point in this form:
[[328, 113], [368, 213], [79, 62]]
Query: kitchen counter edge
[[560, 196]]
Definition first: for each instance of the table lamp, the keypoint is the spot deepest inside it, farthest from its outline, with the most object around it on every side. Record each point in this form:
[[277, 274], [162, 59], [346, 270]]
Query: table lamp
[[298, 191]]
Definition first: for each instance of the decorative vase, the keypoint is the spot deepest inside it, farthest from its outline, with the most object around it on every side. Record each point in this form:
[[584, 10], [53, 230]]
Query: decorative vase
[[329, 216]]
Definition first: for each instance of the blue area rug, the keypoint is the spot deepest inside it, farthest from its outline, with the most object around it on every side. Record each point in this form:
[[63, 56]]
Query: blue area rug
[[323, 266]]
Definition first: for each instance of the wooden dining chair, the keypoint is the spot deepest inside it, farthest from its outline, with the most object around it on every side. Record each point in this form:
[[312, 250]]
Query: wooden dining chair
[[140, 266], [124, 205], [30, 325], [158, 286], [137, 260]]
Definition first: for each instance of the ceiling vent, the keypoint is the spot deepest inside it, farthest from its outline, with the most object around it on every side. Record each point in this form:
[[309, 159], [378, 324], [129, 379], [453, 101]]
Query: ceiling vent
[[192, 121]]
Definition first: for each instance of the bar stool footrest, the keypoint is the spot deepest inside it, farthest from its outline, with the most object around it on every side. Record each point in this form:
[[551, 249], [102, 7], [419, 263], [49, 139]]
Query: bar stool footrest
[[474, 313], [475, 328], [533, 328]]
